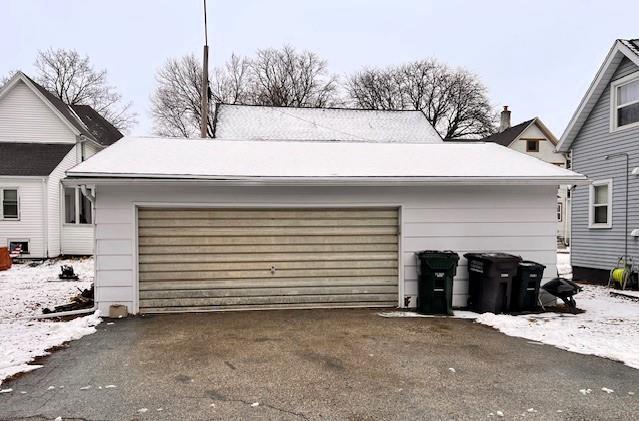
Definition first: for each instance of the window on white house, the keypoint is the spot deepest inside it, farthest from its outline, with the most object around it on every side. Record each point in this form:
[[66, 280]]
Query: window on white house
[[77, 208], [10, 208], [19, 246], [601, 204], [625, 102], [532, 146], [559, 212]]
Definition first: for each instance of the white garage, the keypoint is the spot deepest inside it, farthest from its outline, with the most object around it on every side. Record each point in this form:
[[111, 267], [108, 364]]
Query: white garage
[[202, 225]]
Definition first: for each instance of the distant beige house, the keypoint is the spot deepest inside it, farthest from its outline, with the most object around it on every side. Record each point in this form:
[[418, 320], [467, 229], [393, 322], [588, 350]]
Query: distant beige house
[[533, 138]]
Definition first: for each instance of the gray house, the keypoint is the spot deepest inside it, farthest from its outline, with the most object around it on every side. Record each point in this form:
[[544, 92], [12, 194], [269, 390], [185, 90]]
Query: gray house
[[603, 140]]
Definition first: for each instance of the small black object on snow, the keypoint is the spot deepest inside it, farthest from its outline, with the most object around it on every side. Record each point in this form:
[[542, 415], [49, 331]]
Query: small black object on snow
[[67, 273], [564, 289]]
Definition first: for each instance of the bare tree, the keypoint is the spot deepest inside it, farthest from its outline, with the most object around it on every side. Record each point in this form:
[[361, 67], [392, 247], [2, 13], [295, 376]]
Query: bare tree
[[71, 78], [454, 101], [285, 77], [375, 89], [279, 77], [176, 101], [7, 77]]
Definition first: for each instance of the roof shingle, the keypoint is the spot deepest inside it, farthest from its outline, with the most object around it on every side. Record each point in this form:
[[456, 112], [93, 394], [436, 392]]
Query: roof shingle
[[506, 137], [253, 122], [83, 117], [31, 159]]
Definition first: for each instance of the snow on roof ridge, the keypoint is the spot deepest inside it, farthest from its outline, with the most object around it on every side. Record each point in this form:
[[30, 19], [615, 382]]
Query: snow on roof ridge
[[320, 108], [178, 158], [322, 141]]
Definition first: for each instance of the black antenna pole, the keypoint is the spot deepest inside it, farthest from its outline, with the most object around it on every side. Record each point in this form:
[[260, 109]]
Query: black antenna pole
[[204, 112]]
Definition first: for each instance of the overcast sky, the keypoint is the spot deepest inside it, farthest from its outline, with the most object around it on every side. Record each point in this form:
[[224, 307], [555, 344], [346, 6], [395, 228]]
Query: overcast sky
[[538, 56]]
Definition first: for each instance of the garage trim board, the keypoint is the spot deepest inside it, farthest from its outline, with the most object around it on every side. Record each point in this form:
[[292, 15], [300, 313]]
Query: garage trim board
[[228, 258]]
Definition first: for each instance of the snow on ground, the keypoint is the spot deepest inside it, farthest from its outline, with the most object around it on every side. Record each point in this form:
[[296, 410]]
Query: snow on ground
[[609, 327], [25, 291]]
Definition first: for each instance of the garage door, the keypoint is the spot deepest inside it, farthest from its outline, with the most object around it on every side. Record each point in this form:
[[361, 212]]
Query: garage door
[[222, 259]]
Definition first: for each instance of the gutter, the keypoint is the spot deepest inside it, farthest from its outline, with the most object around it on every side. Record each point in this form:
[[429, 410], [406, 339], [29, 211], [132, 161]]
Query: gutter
[[80, 179]]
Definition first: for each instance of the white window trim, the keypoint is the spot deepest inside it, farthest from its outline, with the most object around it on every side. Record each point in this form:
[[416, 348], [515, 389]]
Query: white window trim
[[560, 211], [613, 102], [78, 196], [2, 189], [591, 202]]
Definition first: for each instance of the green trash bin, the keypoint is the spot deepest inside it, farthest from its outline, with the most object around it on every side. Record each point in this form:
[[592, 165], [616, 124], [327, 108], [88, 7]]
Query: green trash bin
[[525, 288], [435, 270]]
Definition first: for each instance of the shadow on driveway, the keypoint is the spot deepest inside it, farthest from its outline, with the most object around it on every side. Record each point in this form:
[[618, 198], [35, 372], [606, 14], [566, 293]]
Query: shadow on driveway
[[316, 364]]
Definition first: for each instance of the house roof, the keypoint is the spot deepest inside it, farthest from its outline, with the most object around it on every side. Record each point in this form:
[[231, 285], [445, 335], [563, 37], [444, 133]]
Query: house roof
[[621, 48], [249, 161], [31, 159], [82, 119], [509, 135], [101, 129], [252, 122], [513, 133]]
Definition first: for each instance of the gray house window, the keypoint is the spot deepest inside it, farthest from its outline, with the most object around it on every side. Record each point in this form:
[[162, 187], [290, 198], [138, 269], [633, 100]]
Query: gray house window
[[600, 214], [625, 102], [10, 207], [77, 208]]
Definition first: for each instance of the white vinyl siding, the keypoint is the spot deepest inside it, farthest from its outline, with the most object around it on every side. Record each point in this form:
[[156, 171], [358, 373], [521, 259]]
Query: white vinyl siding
[[24, 117], [54, 192], [30, 226], [77, 240], [520, 220], [67, 239]]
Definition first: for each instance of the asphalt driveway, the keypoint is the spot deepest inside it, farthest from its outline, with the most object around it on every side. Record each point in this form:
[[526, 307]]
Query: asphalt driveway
[[316, 364]]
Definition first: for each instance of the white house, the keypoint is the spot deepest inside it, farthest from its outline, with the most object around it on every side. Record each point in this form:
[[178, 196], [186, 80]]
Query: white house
[[221, 224], [533, 138], [41, 138]]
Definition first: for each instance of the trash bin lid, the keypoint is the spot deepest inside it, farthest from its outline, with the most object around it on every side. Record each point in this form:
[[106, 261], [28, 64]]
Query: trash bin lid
[[447, 254], [531, 264], [492, 256]]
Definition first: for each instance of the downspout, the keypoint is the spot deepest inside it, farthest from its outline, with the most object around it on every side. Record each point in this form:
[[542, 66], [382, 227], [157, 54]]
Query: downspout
[[45, 219], [625, 253], [89, 195]]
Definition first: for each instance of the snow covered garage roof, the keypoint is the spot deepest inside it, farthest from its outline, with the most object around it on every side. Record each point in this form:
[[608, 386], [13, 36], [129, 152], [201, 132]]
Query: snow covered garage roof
[[318, 162], [252, 122]]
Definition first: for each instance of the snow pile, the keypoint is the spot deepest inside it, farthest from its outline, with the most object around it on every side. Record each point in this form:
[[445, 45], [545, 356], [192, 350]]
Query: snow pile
[[25, 291], [609, 327], [21, 342]]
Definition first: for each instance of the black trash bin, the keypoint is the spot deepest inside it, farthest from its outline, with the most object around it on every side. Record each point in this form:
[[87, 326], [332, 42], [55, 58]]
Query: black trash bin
[[526, 286], [436, 270], [490, 278]]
